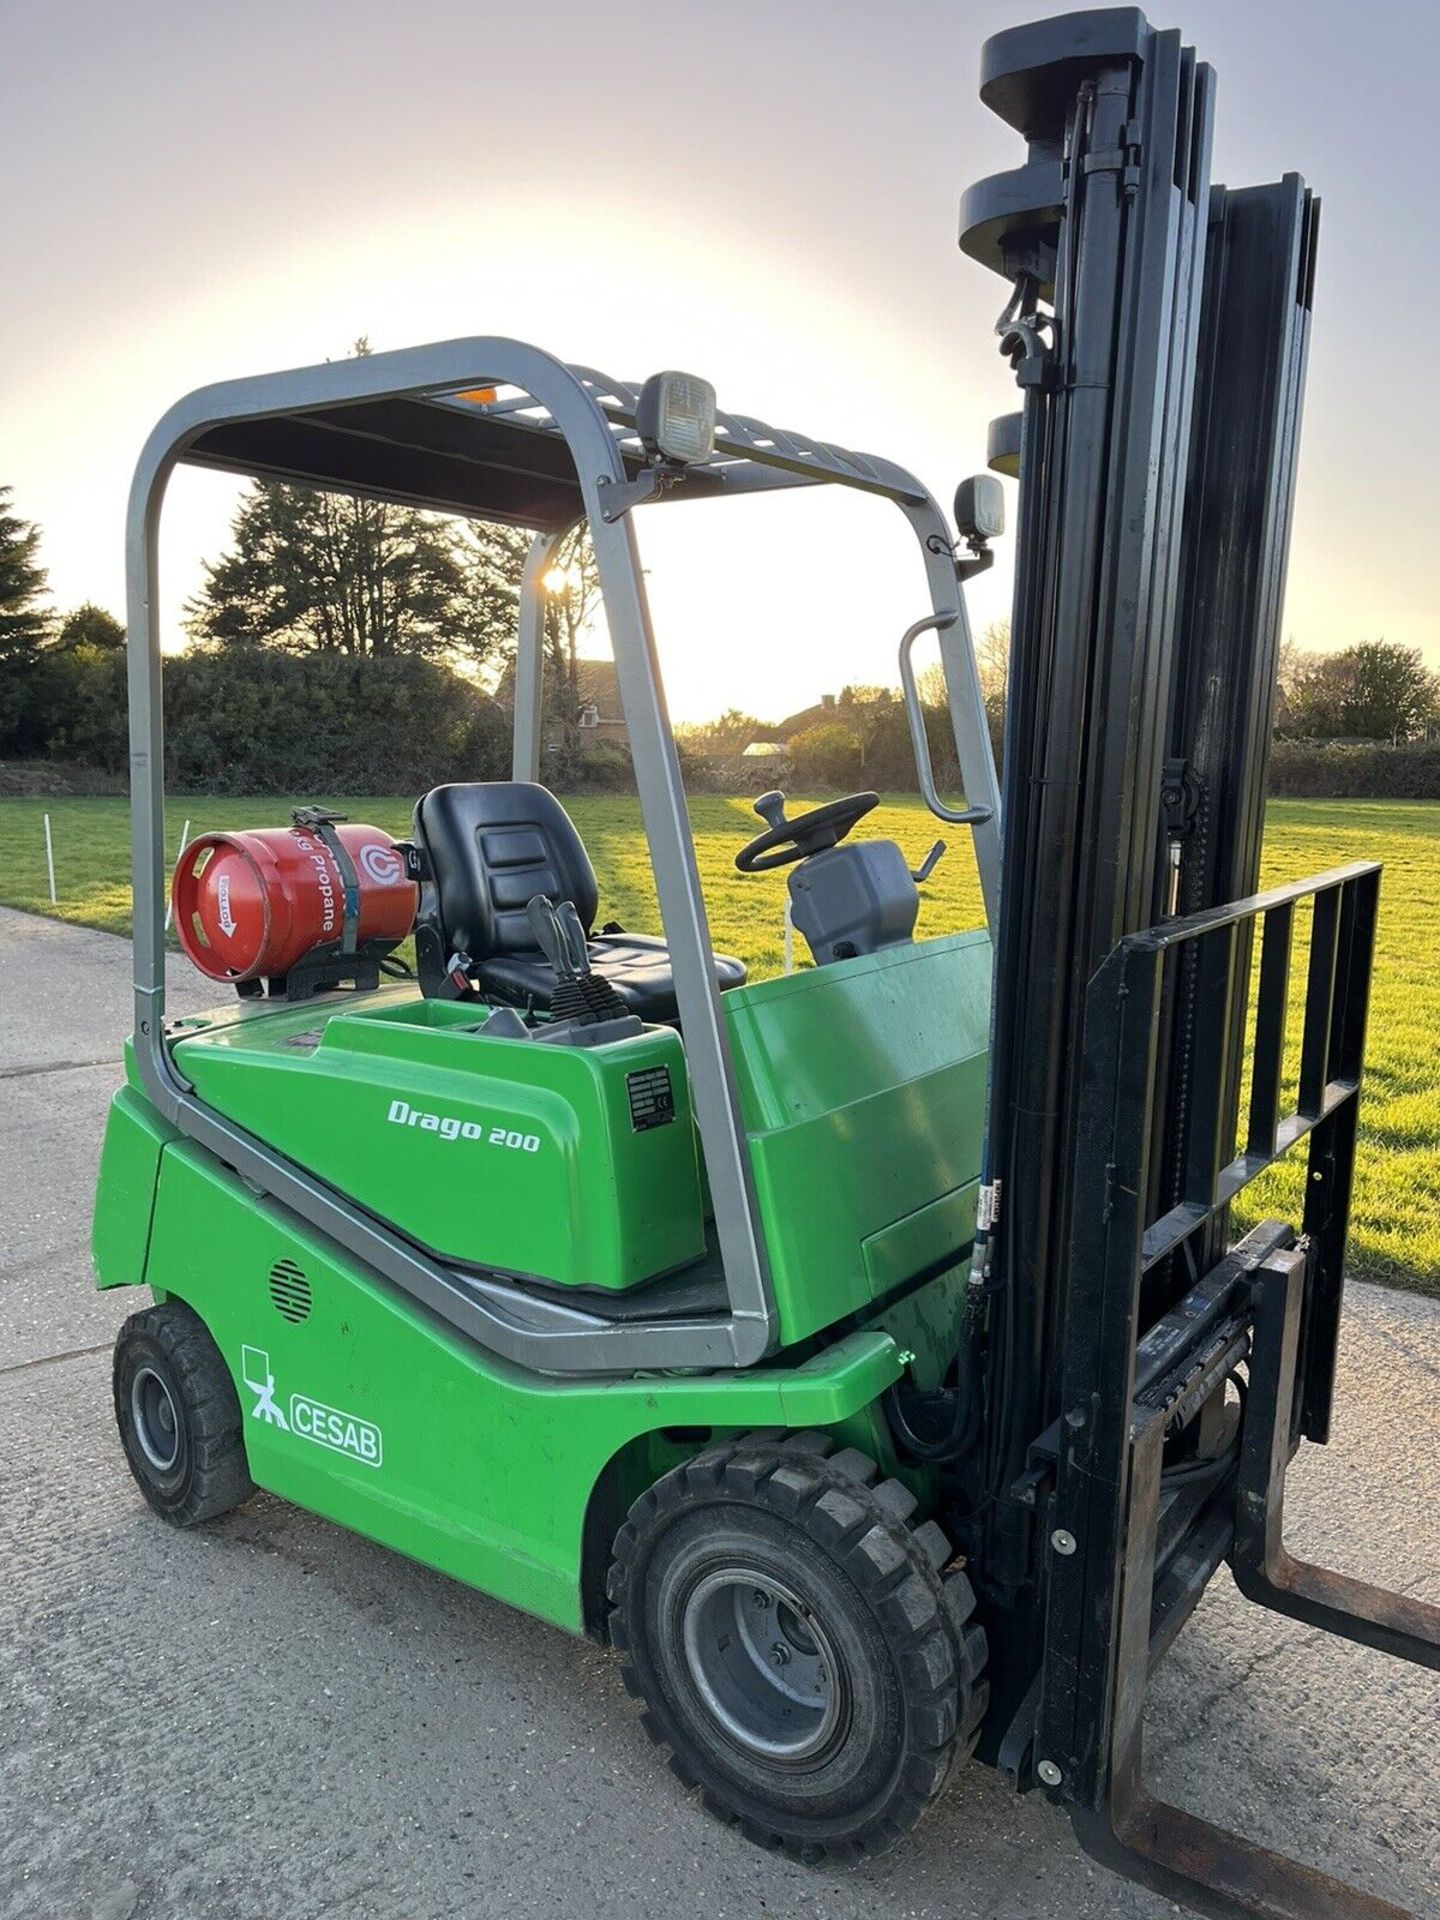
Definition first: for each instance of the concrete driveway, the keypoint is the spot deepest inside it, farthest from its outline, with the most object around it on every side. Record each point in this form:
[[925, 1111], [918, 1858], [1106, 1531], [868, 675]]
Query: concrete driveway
[[271, 1717]]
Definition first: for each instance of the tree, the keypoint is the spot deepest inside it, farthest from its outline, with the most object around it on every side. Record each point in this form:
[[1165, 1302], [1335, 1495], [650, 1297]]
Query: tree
[[571, 589], [868, 714], [992, 660], [25, 626], [80, 688], [1389, 693], [826, 755], [992, 665], [570, 594], [725, 736], [1377, 690], [333, 573], [90, 626], [314, 572], [1308, 707]]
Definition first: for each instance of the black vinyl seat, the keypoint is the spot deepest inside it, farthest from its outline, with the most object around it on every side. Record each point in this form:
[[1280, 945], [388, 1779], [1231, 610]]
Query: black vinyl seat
[[492, 846]]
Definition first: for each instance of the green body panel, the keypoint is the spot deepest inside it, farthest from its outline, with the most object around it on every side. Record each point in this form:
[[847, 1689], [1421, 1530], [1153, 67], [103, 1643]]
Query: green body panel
[[472, 1466], [925, 1323], [512, 1155], [863, 1092], [135, 1137]]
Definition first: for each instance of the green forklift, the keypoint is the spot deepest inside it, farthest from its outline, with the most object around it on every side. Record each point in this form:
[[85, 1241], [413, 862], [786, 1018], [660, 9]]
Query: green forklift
[[864, 1353], [524, 1273]]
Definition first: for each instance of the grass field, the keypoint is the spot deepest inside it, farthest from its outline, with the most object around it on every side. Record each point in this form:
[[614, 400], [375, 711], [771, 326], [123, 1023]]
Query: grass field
[[1397, 1205]]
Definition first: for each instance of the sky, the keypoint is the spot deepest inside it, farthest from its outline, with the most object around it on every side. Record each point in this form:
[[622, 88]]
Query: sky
[[761, 191]]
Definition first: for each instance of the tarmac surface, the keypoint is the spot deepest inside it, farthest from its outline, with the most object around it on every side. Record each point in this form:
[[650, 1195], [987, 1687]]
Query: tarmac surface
[[271, 1717]]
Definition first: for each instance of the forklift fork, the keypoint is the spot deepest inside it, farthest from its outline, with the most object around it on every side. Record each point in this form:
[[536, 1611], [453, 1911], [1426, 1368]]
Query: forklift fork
[[1122, 1578], [1132, 1831], [1265, 1571]]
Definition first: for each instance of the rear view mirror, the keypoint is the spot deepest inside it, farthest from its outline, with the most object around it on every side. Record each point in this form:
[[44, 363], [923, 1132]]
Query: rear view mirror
[[980, 508]]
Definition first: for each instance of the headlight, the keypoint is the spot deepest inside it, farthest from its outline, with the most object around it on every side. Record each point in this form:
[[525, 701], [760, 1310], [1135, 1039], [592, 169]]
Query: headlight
[[675, 418]]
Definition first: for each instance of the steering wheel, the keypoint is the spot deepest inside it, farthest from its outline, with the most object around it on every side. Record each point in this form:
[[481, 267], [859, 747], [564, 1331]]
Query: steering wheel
[[786, 840]]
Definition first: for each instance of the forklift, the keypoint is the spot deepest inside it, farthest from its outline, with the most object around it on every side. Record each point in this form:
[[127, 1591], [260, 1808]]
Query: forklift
[[864, 1353]]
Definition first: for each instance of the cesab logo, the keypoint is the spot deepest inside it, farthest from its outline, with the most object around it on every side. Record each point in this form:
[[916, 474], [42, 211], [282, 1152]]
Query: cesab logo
[[309, 1418], [383, 865]]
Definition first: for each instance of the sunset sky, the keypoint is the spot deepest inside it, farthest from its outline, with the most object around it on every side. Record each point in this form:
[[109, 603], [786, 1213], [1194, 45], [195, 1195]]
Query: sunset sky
[[761, 193]]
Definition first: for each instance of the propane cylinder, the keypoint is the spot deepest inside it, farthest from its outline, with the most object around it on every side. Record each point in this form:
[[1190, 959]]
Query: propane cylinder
[[253, 903]]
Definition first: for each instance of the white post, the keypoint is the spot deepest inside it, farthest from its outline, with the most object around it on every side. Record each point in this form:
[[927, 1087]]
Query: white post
[[50, 859], [789, 936], [184, 842]]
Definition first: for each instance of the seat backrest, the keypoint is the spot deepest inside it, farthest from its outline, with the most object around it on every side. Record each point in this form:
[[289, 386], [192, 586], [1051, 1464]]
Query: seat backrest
[[493, 845]]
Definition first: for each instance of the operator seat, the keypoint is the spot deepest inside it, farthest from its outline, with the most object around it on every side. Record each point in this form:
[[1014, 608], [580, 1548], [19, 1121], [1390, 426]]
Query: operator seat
[[492, 846]]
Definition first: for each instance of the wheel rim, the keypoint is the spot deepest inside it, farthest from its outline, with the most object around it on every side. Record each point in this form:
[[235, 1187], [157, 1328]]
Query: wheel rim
[[764, 1665], [155, 1418]]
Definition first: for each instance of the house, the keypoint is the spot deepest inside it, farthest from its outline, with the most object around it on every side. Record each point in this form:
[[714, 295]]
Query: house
[[817, 716], [778, 737], [599, 717]]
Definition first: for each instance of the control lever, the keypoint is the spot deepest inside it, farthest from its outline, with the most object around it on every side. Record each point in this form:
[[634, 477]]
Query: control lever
[[927, 866], [574, 932], [581, 995], [550, 937]]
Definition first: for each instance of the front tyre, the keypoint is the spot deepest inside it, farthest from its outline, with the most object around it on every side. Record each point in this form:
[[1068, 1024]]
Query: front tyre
[[795, 1643], [179, 1416]]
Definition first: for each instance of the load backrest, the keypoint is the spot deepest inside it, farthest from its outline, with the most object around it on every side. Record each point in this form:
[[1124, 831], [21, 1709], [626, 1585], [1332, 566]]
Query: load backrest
[[492, 846]]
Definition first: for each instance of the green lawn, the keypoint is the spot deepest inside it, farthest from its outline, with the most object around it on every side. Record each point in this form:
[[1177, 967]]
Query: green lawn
[[1397, 1206]]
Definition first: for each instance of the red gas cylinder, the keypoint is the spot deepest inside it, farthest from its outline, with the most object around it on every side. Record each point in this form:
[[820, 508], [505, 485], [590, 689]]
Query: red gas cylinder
[[254, 903]]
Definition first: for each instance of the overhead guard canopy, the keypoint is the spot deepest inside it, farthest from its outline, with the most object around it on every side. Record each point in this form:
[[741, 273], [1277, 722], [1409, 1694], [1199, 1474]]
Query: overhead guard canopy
[[505, 458]]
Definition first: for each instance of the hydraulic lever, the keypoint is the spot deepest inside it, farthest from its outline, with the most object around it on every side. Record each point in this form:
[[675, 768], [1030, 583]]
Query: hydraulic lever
[[928, 865], [581, 994]]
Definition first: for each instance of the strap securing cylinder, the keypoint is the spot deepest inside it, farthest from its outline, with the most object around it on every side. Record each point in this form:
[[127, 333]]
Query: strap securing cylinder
[[322, 821]]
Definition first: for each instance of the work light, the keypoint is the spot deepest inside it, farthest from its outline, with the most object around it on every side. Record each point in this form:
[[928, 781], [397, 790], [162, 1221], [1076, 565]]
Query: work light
[[675, 418], [980, 508]]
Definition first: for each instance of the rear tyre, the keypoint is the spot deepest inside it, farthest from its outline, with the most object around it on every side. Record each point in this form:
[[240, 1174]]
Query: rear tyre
[[179, 1416], [796, 1645]]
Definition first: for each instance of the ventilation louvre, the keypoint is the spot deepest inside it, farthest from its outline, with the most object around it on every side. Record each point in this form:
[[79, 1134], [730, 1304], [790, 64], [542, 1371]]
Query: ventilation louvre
[[290, 1291]]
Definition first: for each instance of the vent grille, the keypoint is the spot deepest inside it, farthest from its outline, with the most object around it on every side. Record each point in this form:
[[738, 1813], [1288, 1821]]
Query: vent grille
[[290, 1291]]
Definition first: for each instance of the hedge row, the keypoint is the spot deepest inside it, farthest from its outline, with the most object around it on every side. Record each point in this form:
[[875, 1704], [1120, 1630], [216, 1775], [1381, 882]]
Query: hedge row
[[253, 721], [249, 720], [1320, 770]]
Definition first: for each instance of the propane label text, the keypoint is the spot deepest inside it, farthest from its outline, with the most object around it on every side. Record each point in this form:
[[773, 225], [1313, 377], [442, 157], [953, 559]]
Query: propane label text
[[324, 879]]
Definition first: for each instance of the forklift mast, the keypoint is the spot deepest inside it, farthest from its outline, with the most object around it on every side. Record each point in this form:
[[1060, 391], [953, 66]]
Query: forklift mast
[[1157, 326]]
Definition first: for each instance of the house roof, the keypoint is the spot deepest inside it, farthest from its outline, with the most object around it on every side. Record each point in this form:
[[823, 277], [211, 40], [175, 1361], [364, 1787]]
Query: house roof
[[823, 711]]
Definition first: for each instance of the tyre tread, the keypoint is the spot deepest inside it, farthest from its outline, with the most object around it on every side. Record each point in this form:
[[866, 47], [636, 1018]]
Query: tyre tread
[[861, 1520], [220, 1474]]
